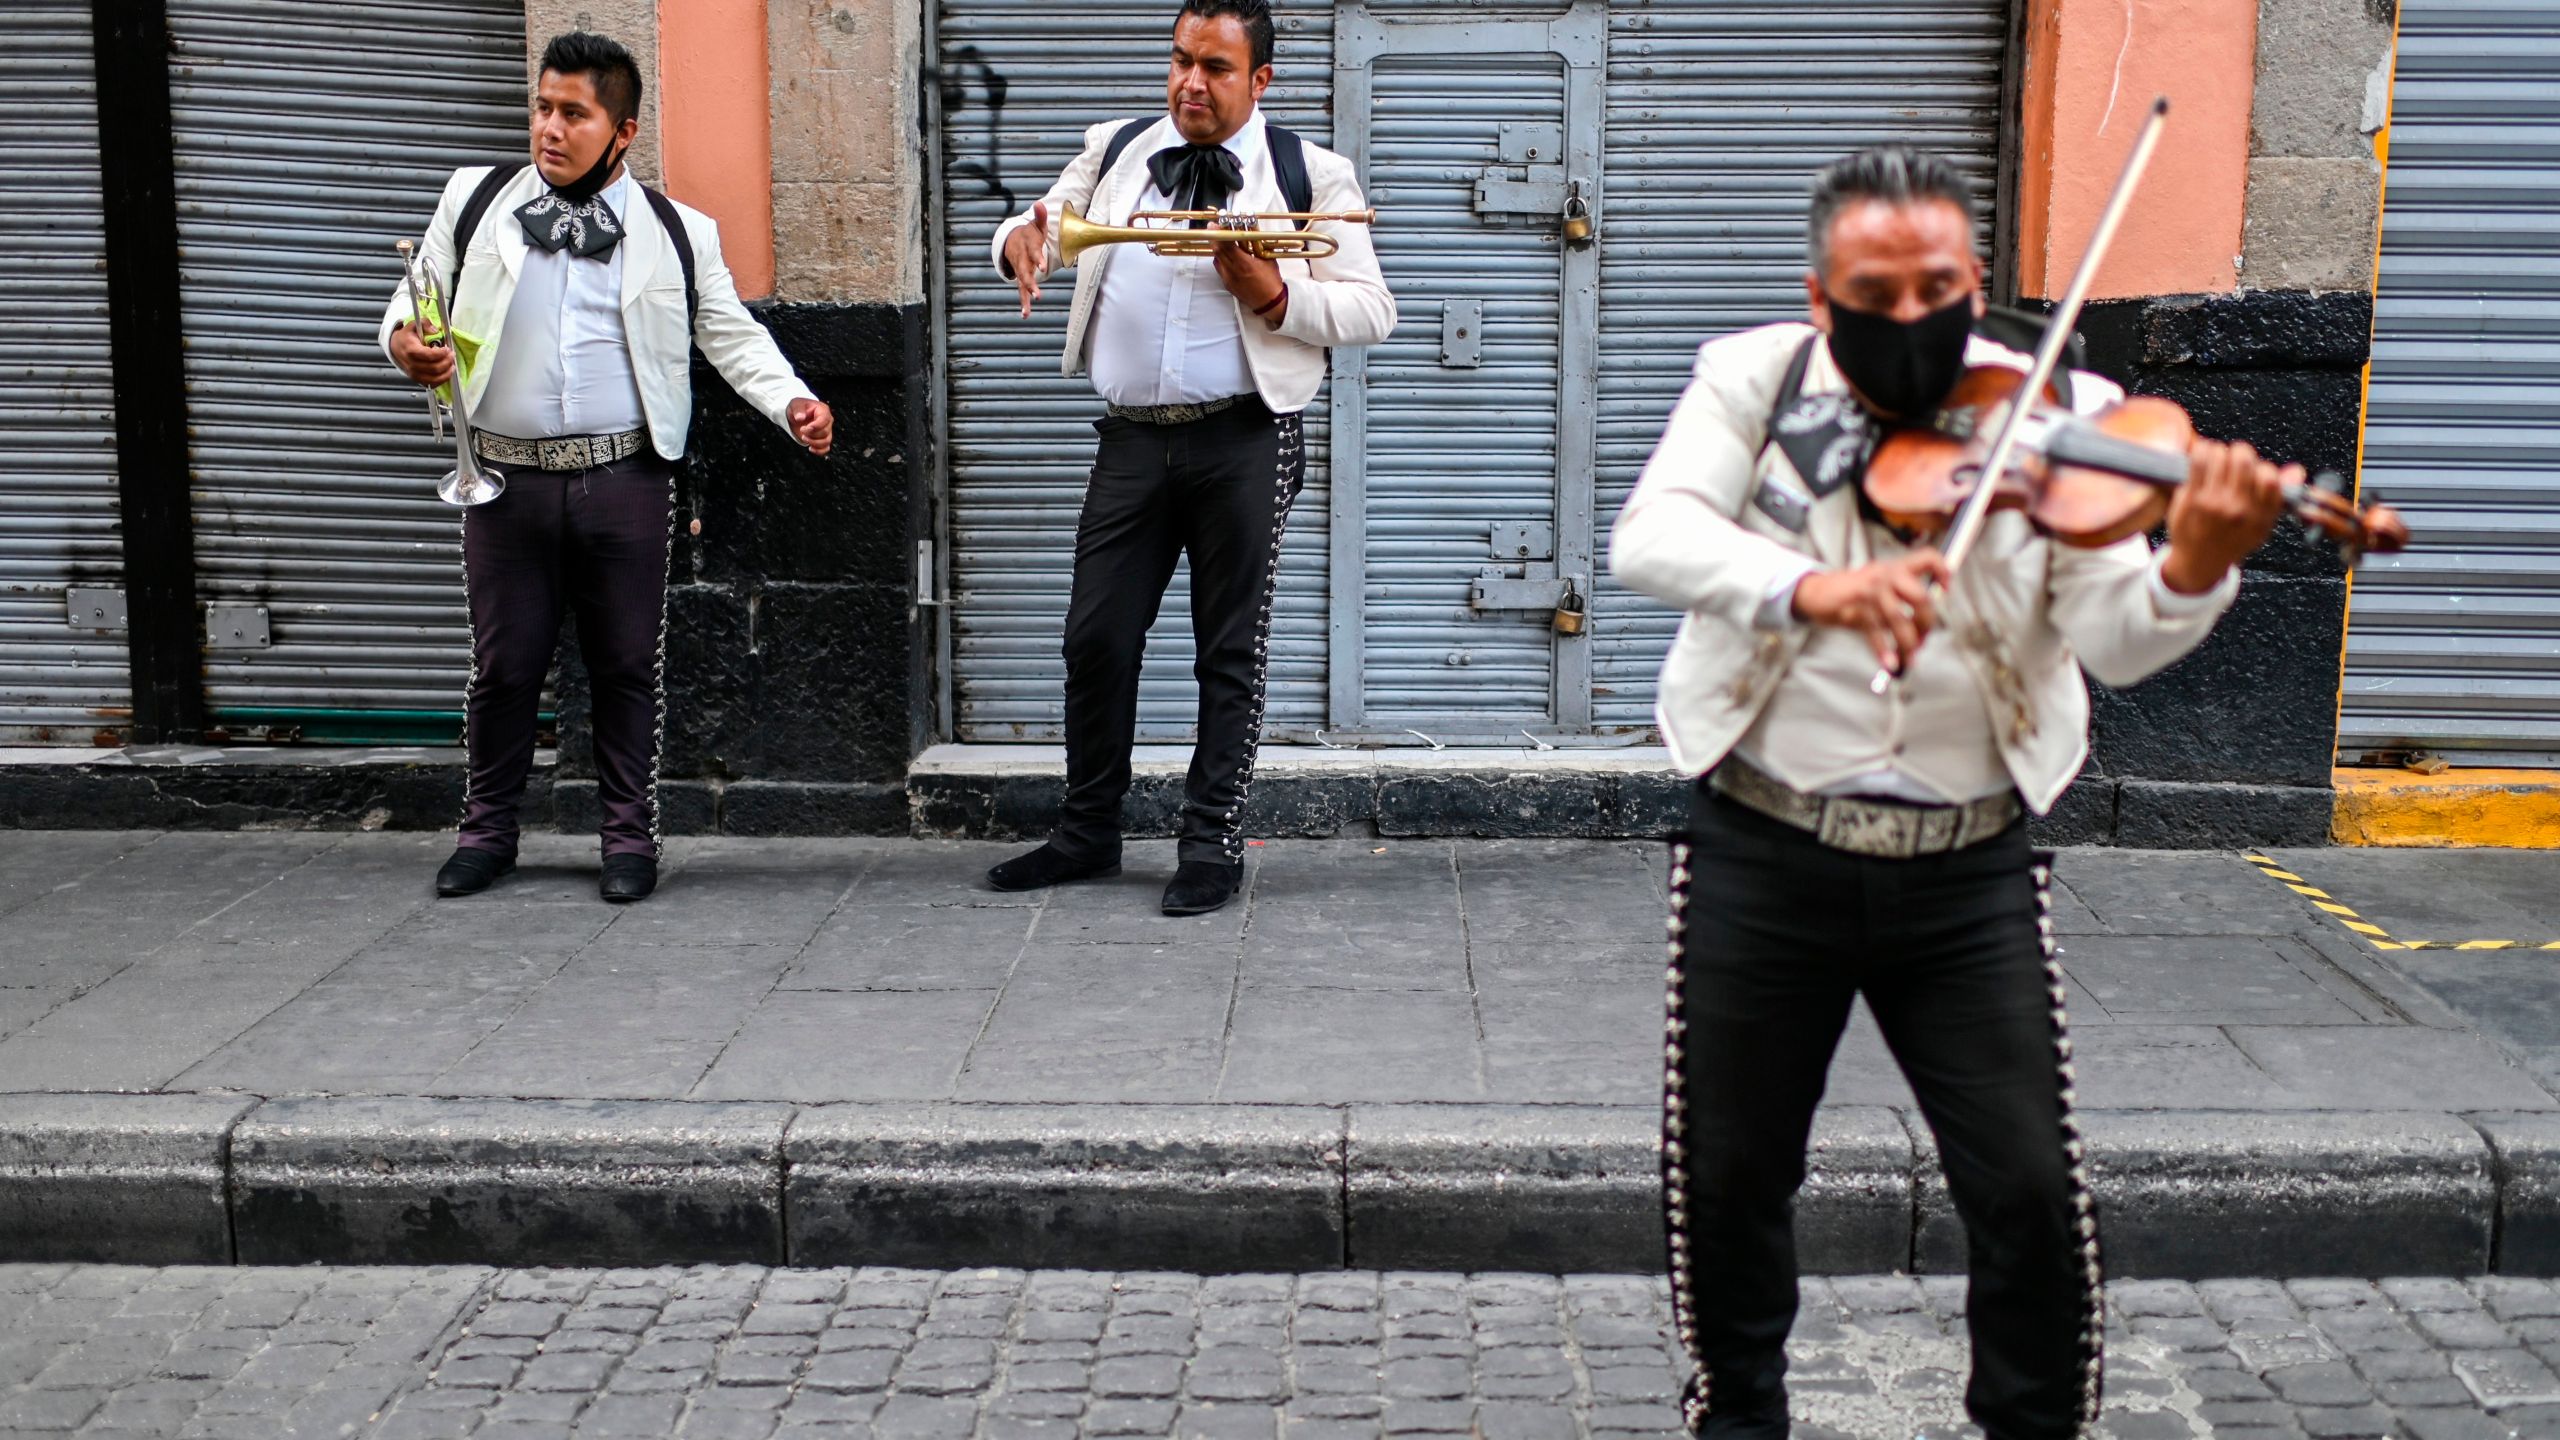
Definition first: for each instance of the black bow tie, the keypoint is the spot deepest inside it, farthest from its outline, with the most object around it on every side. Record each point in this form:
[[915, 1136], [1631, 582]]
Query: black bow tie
[[585, 228], [1197, 177]]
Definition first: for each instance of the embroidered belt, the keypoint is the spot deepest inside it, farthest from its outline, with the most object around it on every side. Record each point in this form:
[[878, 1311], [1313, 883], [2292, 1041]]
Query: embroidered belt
[[1170, 414], [1885, 829], [567, 452]]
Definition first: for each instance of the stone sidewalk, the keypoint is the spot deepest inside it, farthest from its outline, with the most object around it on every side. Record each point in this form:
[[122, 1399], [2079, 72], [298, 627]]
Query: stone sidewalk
[[746, 1353], [1420, 1034]]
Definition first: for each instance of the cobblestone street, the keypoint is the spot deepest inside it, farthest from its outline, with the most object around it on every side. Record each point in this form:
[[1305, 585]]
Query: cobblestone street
[[413, 1354]]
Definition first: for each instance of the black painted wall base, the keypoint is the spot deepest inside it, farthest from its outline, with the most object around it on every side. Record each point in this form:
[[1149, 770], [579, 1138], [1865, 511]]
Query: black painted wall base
[[1565, 803], [2257, 704]]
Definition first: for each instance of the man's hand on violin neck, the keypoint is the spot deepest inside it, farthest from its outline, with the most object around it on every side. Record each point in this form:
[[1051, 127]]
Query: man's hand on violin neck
[[1889, 601], [2227, 508]]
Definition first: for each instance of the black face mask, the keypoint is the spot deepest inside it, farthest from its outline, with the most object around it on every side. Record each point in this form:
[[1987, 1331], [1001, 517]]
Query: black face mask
[[584, 188], [1903, 369]]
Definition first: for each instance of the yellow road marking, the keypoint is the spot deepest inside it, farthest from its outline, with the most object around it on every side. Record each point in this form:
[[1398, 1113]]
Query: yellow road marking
[[2374, 934]]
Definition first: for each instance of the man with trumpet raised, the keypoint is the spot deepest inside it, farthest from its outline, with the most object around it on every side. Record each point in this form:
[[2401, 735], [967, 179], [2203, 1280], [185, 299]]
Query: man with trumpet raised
[[1204, 352], [586, 292]]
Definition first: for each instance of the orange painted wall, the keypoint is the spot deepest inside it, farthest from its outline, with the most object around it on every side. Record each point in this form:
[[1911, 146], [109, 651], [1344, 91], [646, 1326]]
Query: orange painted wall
[[714, 118], [2092, 68]]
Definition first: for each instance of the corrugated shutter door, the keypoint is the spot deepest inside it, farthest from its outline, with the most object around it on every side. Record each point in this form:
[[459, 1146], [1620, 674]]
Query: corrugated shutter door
[[310, 137], [1718, 116], [1452, 452], [2456, 644], [57, 397], [1020, 439]]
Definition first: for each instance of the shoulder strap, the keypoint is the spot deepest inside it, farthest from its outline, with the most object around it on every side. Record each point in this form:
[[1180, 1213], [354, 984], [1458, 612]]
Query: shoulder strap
[[674, 221], [467, 223], [1289, 166], [1120, 143], [1793, 385], [2023, 331]]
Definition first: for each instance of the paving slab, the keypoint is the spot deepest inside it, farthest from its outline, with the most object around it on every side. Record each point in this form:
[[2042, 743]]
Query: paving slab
[[1502, 979]]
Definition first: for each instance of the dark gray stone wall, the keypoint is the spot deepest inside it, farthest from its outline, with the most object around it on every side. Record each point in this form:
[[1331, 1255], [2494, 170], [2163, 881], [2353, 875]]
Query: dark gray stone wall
[[2255, 708], [796, 667]]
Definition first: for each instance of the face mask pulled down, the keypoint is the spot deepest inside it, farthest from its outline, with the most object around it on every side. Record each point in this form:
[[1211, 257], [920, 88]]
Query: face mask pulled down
[[1903, 368]]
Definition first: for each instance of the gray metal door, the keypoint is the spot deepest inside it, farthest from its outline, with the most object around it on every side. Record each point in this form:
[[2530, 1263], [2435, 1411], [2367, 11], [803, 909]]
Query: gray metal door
[[61, 678], [1718, 116], [1462, 505], [1021, 81], [302, 154], [2456, 644]]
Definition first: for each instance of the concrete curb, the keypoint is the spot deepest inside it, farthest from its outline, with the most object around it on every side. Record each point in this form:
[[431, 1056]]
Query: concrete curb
[[1104, 1187], [362, 1181], [214, 1179], [117, 1179]]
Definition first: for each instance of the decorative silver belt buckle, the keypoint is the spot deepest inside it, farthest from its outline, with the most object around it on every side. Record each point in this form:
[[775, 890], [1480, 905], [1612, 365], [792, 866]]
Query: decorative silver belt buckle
[[1882, 831], [1940, 830]]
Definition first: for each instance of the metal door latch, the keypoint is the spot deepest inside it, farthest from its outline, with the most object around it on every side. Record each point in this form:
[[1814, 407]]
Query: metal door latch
[[233, 625], [96, 608]]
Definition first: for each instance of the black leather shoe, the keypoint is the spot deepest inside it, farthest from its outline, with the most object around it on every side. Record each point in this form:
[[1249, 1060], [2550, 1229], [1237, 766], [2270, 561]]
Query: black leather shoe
[[628, 878], [471, 871], [1045, 867], [1200, 886]]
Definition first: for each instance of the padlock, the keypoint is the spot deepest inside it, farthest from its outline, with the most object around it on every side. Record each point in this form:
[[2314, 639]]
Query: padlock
[[1577, 224], [1570, 616]]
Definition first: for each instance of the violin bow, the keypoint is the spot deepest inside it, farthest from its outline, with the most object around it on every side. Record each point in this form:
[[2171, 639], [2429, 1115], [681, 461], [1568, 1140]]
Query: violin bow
[[1976, 511]]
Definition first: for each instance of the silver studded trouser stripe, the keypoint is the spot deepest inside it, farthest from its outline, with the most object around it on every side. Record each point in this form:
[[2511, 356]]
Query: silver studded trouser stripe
[[1697, 1388], [1774, 937]]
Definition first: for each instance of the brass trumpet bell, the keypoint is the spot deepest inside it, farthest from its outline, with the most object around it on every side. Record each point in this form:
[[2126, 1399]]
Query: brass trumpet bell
[[1076, 234]]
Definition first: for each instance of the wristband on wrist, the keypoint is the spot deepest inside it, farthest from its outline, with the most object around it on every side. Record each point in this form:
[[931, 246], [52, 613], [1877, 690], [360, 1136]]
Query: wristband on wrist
[[1267, 306]]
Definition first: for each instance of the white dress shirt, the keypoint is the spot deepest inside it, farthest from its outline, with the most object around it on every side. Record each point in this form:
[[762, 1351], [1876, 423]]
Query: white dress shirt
[[1166, 331], [1865, 745], [565, 368]]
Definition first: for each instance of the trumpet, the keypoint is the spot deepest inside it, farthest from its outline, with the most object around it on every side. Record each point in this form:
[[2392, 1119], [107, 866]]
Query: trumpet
[[471, 481], [1161, 232]]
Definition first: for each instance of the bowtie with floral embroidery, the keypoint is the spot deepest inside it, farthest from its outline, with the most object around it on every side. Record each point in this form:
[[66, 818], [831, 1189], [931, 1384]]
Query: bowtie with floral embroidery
[[587, 229]]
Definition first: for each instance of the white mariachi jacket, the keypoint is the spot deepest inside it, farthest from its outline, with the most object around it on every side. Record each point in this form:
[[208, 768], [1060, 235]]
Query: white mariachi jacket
[[1340, 299], [653, 317], [1718, 519]]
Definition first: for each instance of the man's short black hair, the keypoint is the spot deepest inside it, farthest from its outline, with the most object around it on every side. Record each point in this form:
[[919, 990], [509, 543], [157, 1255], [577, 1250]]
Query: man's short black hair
[[1894, 174], [605, 63], [1256, 15]]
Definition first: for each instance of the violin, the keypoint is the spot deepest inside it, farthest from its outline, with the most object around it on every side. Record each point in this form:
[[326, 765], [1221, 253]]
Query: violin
[[2085, 480]]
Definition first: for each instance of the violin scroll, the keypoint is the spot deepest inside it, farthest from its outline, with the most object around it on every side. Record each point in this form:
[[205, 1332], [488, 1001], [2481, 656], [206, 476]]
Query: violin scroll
[[2323, 508]]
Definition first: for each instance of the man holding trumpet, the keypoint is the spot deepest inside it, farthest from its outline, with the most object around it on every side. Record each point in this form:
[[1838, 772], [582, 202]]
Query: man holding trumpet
[[1203, 361], [585, 292]]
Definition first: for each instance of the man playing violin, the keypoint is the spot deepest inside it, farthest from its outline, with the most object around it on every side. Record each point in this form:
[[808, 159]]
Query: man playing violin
[[1850, 838]]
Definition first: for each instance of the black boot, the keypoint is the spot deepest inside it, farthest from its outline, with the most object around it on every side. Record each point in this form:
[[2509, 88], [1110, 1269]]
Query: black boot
[[1048, 866], [471, 871], [628, 878], [1200, 886]]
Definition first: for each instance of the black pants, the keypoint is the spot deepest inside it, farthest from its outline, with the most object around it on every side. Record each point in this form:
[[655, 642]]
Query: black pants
[[1217, 489], [1772, 936], [594, 542]]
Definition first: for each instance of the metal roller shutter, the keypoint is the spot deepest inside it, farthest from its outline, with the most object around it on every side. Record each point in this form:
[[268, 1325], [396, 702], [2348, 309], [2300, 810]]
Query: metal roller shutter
[[302, 154], [58, 509], [2456, 644], [1019, 438], [1718, 116], [1453, 452]]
